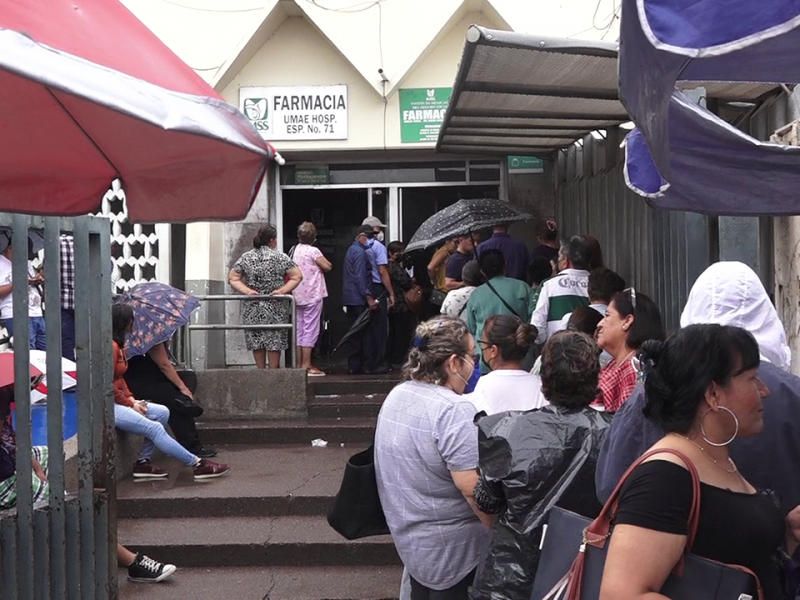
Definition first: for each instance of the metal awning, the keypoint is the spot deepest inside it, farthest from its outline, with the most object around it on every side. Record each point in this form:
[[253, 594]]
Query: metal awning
[[522, 94]]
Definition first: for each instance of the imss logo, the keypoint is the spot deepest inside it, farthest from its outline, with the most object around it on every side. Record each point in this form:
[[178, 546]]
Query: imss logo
[[257, 111]]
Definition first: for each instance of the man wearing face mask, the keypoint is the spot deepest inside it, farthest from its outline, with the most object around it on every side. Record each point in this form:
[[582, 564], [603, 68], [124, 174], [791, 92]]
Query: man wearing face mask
[[382, 291]]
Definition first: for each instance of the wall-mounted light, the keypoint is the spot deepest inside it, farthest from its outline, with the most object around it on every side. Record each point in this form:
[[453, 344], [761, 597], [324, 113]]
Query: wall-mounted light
[[599, 134], [627, 125]]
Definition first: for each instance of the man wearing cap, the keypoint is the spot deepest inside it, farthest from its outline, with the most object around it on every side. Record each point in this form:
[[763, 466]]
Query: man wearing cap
[[381, 288], [356, 296]]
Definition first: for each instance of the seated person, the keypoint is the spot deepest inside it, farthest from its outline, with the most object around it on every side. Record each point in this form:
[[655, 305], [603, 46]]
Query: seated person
[[148, 420], [141, 568]]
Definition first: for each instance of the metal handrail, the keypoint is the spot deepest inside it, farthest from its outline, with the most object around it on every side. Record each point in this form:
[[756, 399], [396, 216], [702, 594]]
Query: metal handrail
[[291, 325]]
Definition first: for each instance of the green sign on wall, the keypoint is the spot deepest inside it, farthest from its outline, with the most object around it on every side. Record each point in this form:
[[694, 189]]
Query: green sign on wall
[[422, 112], [525, 164], [311, 176]]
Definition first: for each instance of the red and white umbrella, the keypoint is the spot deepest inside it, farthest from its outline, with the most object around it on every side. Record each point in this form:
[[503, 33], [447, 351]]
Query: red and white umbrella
[[69, 374], [89, 94]]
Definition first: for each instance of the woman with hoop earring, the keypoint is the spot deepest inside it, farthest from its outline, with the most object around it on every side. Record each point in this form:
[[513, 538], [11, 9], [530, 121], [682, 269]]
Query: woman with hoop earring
[[703, 390]]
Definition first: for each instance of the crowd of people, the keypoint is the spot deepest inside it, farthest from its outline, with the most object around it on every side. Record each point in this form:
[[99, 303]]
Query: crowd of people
[[468, 473]]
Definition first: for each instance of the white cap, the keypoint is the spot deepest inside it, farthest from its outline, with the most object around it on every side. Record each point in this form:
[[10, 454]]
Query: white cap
[[373, 222]]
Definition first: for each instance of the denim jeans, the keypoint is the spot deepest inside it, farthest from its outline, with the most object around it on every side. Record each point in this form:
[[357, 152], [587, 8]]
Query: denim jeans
[[151, 427], [37, 339], [37, 333]]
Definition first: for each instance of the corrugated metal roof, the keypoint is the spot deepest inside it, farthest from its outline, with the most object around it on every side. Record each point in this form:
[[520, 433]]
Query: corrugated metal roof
[[520, 93], [523, 94]]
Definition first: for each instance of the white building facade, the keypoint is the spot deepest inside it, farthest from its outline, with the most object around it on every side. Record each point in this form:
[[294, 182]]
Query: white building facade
[[351, 95]]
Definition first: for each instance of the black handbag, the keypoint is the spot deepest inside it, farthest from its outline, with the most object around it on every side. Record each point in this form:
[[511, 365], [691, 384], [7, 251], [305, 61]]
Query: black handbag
[[184, 405], [356, 510], [562, 576]]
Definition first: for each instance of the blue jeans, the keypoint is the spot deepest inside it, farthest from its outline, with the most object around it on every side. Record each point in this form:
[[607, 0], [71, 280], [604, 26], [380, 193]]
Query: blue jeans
[[151, 427], [37, 338], [37, 334]]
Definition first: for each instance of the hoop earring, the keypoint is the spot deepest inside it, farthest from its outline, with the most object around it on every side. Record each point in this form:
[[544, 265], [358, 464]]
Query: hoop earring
[[703, 431]]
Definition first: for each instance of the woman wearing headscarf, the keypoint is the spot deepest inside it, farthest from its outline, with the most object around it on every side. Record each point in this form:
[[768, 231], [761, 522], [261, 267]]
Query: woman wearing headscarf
[[532, 461], [264, 270], [309, 294], [426, 455], [630, 320], [727, 293]]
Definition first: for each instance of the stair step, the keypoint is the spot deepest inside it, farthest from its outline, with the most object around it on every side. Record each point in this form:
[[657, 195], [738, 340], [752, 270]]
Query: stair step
[[253, 542], [277, 583], [350, 405], [300, 431], [263, 481], [353, 384]]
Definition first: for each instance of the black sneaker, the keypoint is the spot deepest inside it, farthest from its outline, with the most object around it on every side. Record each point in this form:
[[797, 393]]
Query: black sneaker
[[204, 452], [146, 570]]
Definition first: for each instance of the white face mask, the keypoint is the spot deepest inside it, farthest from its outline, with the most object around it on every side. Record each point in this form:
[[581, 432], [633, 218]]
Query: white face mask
[[471, 366], [379, 236]]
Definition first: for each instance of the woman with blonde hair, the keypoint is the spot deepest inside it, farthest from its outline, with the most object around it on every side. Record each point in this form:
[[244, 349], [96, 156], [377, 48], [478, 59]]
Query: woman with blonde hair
[[426, 455], [308, 295]]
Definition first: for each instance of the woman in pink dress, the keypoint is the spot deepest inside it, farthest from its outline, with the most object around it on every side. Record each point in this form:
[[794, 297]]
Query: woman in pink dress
[[309, 294]]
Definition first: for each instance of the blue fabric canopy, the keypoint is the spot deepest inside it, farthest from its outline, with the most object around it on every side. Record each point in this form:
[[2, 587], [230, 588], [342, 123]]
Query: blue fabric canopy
[[683, 156]]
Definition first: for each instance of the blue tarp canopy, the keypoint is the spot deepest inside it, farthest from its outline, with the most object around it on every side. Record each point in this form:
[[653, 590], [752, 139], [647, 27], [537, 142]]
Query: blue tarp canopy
[[681, 156]]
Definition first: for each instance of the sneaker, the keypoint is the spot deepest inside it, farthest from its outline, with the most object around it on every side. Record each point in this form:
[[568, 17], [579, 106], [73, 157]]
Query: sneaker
[[208, 470], [146, 570], [144, 469], [204, 451]]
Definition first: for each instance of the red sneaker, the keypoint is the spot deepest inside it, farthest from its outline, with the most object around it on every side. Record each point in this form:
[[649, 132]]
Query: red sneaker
[[208, 469], [144, 469]]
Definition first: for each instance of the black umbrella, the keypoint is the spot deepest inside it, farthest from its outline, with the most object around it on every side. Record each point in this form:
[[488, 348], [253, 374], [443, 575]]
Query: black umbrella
[[360, 323], [463, 217]]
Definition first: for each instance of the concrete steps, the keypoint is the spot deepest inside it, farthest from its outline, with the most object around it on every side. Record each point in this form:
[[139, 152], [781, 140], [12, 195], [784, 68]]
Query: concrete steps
[[254, 542], [263, 481], [350, 405], [338, 430], [261, 531], [275, 583]]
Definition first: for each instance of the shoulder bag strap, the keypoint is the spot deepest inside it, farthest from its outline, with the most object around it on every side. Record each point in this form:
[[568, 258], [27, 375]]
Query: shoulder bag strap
[[463, 308], [507, 305], [600, 529]]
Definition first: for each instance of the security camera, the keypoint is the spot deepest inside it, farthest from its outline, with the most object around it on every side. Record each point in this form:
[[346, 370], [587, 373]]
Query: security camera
[[384, 78]]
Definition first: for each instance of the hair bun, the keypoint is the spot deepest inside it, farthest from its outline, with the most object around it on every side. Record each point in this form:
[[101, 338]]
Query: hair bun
[[524, 335], [649, 355]]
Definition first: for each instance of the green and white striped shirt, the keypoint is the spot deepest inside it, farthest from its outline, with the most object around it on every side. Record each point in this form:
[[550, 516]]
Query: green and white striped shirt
[[560, 295]]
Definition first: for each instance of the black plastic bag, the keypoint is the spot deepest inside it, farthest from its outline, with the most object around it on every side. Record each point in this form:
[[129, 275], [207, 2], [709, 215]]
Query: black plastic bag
[[529, 463]]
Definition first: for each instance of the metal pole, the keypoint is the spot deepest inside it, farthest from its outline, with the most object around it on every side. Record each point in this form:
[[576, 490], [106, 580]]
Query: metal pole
[[55, 425], [22, 397], [293, 330], [83, 324]]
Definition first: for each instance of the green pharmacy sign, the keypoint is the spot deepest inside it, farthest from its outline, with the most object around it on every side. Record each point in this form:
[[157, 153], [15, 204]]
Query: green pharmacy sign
[[525, 164], [421, 113]]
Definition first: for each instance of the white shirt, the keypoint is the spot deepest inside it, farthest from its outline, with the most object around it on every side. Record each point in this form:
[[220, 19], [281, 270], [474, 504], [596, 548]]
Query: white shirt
[[506, 389], [34, 295], [455, 303], [7, 303], [6, 306]]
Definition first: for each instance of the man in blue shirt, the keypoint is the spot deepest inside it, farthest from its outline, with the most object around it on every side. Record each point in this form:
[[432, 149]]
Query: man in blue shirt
[[382, 290], [356, 297], [514, 251]]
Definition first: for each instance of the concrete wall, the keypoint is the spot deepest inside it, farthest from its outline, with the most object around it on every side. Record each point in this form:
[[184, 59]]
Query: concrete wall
[[535, 194], [297, 54], [253, 394]]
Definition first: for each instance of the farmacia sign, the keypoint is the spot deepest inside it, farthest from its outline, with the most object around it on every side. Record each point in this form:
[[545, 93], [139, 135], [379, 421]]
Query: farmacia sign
[[297, 112]]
